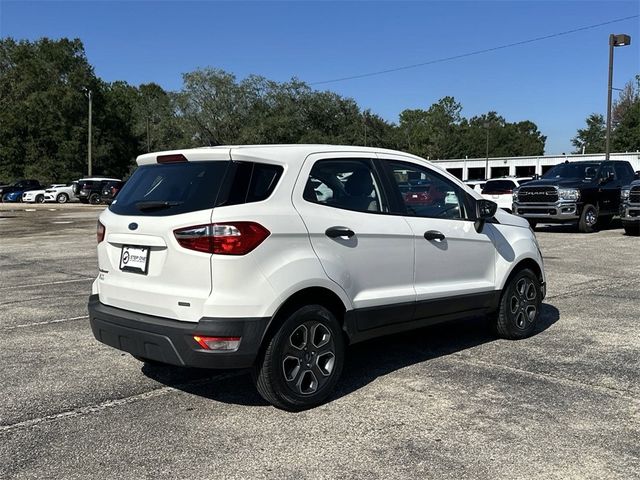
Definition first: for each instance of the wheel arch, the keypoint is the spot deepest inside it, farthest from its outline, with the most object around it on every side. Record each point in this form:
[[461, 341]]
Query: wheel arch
[[306, 296], [525, 263]]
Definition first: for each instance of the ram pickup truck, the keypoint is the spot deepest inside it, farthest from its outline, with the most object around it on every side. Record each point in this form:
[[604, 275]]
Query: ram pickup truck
[[586, 193], [630, 208]]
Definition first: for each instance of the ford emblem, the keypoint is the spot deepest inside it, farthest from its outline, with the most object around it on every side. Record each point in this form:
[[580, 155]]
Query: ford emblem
[[133, 226]]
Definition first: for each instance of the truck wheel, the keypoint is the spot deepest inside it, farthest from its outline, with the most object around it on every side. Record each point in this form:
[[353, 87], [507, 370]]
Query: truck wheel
[[62, 198], [632, 229], [588, 219], [303, 360], [94, 199], [519, 308], [533, 224]]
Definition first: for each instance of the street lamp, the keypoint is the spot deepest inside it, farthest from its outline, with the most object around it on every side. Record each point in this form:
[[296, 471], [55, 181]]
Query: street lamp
[[619, 40], [89, 94]]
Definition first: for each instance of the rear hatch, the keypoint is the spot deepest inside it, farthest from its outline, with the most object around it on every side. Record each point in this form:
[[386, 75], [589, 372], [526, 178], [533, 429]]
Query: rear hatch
[[142, 266]]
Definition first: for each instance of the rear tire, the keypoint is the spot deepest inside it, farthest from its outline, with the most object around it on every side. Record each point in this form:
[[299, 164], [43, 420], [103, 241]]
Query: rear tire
[[62, 198], [588, 219], [519, 308], [632, 229], [303, 360]]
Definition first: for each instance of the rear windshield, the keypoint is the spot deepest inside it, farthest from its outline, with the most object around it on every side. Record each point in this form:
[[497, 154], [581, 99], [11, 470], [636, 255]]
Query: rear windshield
[[498, 186], [175, 188]]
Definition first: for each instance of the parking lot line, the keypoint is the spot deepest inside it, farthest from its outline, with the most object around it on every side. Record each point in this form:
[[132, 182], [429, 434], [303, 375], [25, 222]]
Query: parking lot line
[[47, 322], [86, 410], [85, 279]]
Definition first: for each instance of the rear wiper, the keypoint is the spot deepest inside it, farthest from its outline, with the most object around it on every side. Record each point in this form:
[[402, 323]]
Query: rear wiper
[[156, 205]]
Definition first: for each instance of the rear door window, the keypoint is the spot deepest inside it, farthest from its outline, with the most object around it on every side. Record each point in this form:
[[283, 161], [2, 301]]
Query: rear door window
[[171, 188]]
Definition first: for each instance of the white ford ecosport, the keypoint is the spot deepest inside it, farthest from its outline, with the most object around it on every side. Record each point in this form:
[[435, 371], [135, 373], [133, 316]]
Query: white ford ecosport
[[277, 257]]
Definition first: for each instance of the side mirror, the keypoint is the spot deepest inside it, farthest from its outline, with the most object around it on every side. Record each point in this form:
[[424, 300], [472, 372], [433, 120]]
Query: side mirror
[[636, 175], [485, 209]]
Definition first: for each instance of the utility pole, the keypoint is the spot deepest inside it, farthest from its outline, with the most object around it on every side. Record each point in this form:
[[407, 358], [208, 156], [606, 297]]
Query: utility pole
[[486, 163], [90, 95]]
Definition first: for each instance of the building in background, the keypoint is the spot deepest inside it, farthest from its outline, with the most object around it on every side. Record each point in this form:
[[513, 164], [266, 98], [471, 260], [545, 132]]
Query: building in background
[[474, 168]]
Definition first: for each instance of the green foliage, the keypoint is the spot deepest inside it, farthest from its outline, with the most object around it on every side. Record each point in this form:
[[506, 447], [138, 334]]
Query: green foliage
[[44, 117], [625, 124]]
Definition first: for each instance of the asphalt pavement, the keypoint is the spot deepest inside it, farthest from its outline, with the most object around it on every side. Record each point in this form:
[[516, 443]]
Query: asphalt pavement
[[449, 402]]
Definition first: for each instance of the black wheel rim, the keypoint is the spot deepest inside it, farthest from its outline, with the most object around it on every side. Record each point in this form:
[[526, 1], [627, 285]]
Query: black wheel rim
[[309, 358], [523, 303]]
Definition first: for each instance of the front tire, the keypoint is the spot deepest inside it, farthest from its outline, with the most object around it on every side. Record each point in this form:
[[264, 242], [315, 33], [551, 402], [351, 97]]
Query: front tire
[[519, 308], [40, 199], [94, 199], [588, 219], [62, 198], [303, 360]]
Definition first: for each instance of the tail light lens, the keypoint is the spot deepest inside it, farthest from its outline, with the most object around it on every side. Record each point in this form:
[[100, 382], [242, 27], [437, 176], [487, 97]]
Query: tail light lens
[[229, 238], [100, 232], [218, 343]]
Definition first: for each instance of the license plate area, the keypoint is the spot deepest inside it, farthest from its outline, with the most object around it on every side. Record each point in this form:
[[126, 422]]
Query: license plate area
[[134, 259]]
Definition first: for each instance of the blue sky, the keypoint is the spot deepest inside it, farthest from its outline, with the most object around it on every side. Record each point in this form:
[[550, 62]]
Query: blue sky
[[556, 83]]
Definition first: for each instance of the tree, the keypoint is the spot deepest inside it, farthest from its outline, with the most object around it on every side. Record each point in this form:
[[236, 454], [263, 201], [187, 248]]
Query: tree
[[592, 138], [43, 108]]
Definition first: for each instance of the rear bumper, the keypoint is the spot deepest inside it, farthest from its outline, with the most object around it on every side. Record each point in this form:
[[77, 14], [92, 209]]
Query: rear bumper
[[171, 341]]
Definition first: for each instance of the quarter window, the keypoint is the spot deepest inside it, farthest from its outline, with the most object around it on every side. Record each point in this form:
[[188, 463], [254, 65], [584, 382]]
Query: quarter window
[[425, 193], [347, 184]]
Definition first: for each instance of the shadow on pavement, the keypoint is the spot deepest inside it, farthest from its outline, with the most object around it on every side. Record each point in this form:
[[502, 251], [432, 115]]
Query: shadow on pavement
[[365, 362]]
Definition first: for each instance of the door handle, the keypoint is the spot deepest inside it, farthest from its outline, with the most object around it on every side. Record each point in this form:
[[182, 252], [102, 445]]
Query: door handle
[[336, 232], [434, 235]]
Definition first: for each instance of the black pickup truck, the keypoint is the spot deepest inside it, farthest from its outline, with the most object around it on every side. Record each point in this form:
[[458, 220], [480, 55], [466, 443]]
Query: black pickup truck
[[586, 193], [630, 208]]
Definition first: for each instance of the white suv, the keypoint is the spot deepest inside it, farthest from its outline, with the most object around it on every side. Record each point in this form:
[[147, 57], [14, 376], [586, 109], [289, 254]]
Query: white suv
[[500, 190], [277, 257]]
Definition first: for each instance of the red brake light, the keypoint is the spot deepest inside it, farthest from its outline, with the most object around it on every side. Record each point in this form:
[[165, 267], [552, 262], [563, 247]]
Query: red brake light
[[218, 343], [172, 158], [100, 232], [229, 238]]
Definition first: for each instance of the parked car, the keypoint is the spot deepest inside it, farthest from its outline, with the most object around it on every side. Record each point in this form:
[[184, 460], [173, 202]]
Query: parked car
[[13, 193], [586, 193], [38, 196], [477, 185], [630, 207], [109, 191], [227, 257], [500, 190], [60, 193], [88, 190]]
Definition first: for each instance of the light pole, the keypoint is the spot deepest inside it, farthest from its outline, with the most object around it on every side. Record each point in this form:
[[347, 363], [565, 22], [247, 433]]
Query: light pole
[[486, 163], [90, 96], [619, 40]]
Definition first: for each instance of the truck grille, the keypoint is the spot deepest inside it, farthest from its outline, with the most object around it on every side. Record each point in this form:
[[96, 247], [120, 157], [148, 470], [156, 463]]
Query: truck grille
[[537, 195], [634, 195]]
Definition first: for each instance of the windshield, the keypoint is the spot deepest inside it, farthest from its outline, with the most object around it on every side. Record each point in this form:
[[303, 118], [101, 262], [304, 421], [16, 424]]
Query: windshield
[[582, 171], [169, 189]]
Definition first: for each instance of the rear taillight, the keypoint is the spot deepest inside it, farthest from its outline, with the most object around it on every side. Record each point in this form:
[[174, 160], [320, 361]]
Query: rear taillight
[[229, 238], [218, 343], [100, 232], [171, 158]]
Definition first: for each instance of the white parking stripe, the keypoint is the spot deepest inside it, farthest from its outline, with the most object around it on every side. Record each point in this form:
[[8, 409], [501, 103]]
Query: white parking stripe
[[24, 325], [117, 402], [86, 279]]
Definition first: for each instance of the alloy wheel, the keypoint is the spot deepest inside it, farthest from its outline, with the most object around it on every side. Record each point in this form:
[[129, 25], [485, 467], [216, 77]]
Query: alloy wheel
[[523, 303]]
